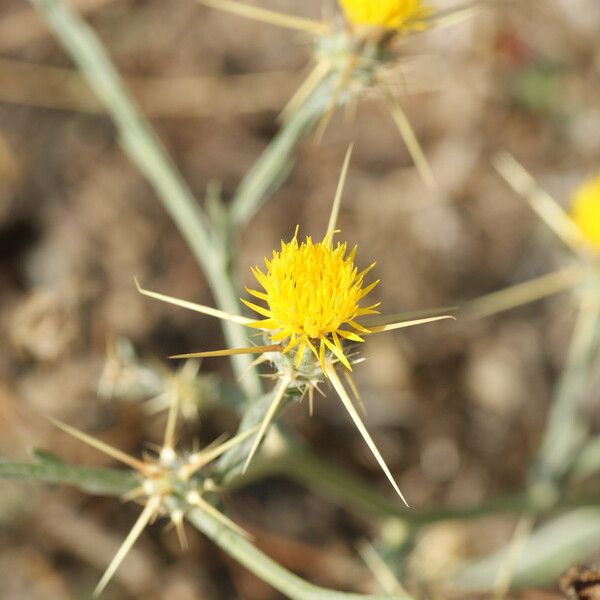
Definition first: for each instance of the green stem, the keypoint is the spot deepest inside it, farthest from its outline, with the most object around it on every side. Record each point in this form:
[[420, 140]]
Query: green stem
[[268, 570], [116, 482], [567, 429], [333, 482], [356, 495], [270, 169], [588, 459], [231, 463], [568, 539], [145, 149], [91, 480]]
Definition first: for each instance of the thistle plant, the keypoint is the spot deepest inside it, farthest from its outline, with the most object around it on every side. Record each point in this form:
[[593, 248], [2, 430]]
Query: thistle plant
[[170, 485], [313, 307], [313, 293]]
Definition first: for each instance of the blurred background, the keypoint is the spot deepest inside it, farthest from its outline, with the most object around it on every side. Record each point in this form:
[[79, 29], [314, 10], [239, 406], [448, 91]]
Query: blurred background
[[457, 408]]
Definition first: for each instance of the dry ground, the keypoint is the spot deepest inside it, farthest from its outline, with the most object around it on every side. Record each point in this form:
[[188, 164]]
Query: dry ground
[[458, 408]]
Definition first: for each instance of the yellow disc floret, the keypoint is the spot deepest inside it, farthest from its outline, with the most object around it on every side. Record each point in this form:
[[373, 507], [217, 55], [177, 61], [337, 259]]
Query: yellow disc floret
[[585, 210], [390, 14], [313, 293]]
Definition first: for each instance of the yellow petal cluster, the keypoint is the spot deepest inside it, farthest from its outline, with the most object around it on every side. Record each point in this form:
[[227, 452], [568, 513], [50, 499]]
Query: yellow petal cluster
[[390, 14], [313, 293], [585, 210]]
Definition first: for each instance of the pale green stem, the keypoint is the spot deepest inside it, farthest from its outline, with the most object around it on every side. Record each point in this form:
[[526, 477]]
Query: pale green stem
[[554, 546], [524, 293], [273, 165], [145, 149], [344, 489], [347, 490], [232, 462], [91, 480], [268, 570], [567, 429], [588, 460]]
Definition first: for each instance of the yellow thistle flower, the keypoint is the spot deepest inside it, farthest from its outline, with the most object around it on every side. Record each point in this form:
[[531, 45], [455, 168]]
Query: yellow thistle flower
[[585, 210], [313, 293], [390, 14]]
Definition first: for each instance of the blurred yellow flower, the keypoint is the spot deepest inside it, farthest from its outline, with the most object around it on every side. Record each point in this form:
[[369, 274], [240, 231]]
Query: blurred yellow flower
[[390, 14], [585, 210]]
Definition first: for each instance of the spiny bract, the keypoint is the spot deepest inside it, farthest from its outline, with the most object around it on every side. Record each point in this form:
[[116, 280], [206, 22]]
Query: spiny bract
[[390, 14], [585, 210], [312, 291]]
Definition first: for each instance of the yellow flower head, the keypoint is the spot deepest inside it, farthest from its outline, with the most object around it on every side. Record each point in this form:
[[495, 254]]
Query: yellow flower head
[[585, 210], [313, 293], [390, 14]]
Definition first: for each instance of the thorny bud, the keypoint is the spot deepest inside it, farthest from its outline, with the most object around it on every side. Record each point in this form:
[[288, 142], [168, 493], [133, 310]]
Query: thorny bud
[[171, 486], [129, 377]]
